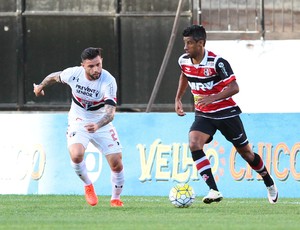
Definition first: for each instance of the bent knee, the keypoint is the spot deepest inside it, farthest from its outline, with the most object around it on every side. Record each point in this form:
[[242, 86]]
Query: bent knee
[[117, 168], [194, 145]]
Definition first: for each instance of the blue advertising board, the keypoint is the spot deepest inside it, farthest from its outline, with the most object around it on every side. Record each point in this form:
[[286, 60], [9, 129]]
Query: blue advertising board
[[35, 158]]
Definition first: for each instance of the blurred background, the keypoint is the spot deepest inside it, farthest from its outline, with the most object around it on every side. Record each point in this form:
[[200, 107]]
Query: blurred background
[[38, 37]]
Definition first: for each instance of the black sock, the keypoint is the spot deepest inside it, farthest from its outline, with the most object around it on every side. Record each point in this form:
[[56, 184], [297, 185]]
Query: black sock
[[260, 168], [204, 168]]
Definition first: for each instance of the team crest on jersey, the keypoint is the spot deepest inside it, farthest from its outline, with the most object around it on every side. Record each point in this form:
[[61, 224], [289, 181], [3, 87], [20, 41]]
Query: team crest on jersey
[[207, 72], [86, 104]]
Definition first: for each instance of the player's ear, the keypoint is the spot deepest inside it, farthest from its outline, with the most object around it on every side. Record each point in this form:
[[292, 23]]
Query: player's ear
[[202, 42]]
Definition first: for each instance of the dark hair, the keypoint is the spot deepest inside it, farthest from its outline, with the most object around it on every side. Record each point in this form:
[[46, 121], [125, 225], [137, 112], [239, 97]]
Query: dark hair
[[196, 31], [90, 53]]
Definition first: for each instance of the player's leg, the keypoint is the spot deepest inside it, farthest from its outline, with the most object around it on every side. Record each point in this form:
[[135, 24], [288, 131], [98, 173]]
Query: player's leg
[[108, 142], [77, 161], [257, 164], [198, 136], [233, 130], [77, 144], [117, 177]]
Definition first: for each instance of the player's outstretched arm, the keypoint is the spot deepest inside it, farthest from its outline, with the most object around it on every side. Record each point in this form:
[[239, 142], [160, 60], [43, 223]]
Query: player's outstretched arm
[[49, 80]]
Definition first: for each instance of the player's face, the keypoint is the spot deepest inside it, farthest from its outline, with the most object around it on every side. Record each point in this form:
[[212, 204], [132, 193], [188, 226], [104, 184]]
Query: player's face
[[92, 68], [193, 48]]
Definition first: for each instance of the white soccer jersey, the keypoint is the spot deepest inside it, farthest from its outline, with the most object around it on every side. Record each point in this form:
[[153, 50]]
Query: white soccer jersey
[[89, 97]]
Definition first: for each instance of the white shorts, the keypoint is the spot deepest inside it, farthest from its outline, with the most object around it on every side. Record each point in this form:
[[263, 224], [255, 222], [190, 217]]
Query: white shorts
[[106, 139]]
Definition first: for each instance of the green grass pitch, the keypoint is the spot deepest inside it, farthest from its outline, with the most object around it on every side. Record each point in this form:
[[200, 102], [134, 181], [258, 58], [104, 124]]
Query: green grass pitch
[[155, 213]]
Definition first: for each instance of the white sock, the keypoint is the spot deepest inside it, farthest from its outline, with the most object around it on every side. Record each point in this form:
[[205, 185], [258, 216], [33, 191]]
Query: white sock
[[117, 181], [81, 171]]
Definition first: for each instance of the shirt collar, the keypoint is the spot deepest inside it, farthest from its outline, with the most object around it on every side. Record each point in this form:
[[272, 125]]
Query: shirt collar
[[204, 60]]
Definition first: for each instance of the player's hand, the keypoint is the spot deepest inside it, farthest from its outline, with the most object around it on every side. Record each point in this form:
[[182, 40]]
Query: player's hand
[[179, 109], [91, 127], [38, 90]]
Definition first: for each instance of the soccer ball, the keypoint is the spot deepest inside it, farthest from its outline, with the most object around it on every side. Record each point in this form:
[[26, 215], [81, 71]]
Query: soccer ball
[[182, 196]]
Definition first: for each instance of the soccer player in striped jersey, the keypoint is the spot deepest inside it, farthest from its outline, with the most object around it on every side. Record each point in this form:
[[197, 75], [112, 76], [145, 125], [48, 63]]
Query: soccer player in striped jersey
[[92, 110], [213, 83]]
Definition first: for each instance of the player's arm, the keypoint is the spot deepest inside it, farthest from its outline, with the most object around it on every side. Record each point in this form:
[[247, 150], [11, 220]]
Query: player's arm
[[49, 80], [110, 108], [182, 86], [108, 117], [110, 111], [224, 70], [231, 89]]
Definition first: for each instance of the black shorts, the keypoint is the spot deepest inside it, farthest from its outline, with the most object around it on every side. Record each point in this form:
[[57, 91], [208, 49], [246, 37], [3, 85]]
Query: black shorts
[[231, 128]]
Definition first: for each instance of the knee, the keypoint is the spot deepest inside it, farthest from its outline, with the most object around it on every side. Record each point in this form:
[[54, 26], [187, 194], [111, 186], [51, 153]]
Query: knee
[[117, 167], [76, 160], [194, 145], [76, 153], [115, 162], [76, 157]]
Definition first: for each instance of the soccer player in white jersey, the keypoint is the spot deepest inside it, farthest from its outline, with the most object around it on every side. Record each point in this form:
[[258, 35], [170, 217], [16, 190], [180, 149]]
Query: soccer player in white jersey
[[213, 84], [92, 110]]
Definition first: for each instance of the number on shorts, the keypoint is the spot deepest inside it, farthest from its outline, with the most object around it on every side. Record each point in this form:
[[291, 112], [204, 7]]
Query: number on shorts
[[113, 134]]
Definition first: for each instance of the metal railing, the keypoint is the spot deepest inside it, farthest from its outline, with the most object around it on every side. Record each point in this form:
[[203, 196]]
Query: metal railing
[[275, 19]]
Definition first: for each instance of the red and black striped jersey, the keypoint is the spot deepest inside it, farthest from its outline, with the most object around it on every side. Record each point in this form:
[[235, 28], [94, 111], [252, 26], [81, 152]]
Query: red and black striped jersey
[[210, 77]]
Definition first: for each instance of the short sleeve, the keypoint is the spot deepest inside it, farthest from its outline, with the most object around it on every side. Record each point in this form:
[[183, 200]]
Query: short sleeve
[[110, 92], [224, 69], [69, 73]]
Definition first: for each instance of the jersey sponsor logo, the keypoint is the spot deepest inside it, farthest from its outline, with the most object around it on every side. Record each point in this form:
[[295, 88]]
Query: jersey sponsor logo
[[87, 91], [201, 86], [111, 90], [222, 67]]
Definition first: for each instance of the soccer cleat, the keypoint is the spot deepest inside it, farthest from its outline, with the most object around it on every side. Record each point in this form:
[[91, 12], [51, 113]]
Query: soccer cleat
[[272, 194], [116, 203], [90, 195], [212, 196]]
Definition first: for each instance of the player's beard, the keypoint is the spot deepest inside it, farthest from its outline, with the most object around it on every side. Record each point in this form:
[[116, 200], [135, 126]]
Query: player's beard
[[94, 77]]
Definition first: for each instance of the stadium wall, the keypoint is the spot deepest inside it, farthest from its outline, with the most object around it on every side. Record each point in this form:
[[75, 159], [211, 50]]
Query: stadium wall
[[35, 159]]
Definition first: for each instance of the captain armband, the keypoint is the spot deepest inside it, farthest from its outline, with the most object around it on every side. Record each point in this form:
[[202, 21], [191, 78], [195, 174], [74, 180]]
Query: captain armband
[[110, 102]]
